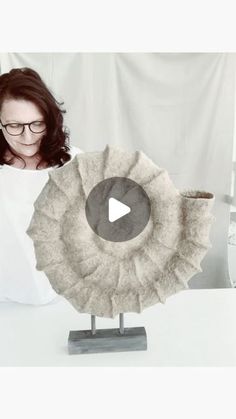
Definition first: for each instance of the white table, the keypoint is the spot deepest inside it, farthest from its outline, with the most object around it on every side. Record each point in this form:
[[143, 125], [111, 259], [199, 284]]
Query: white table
[[193, 328]]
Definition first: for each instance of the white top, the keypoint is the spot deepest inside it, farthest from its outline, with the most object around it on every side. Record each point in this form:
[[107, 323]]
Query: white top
[[19, 279]]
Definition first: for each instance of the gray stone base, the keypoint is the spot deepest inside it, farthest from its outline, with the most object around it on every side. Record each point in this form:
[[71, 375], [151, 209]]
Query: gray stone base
[[107, 340]]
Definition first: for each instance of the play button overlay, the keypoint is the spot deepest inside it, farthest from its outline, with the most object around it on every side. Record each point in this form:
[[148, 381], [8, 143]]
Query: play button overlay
[[117, 209]]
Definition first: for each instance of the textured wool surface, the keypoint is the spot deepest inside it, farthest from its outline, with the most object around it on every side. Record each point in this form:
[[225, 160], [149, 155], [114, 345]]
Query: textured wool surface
[[106, 278]]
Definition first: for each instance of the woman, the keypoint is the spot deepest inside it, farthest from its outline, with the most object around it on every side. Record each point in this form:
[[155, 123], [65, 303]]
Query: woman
[[32, 142]]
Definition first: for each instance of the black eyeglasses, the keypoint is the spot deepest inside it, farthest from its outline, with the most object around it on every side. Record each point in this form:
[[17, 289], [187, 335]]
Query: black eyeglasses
[[15, 128]]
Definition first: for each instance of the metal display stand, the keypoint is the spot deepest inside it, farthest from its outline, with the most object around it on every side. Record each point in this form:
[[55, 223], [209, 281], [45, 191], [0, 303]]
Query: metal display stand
[[107, 340]]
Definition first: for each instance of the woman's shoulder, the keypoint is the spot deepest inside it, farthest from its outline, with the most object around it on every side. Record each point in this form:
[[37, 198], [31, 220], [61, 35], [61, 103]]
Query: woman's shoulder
[[74, 151]]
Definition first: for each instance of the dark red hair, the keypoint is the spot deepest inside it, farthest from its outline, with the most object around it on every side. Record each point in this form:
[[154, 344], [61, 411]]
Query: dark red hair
[[25, 83]]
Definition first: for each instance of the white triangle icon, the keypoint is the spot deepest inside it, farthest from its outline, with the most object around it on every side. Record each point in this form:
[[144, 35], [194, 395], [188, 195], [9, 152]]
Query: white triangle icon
[[116, 209]]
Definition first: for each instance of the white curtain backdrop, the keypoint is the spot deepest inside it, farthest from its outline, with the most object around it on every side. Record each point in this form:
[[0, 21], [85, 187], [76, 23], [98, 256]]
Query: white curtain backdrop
[[176, 107]]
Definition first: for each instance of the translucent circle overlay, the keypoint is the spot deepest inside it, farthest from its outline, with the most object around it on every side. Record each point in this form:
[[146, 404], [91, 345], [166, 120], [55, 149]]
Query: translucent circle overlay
[[127, 192]]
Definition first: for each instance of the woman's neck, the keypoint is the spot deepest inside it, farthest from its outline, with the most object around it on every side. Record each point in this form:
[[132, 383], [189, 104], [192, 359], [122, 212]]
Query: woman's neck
[[29, 163]]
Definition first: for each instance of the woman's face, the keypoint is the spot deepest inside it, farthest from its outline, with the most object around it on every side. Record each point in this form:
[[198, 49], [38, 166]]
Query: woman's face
[[22, 111]]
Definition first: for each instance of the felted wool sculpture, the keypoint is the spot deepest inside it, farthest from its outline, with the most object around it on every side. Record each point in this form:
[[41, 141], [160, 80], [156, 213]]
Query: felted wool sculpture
[[105, 278]]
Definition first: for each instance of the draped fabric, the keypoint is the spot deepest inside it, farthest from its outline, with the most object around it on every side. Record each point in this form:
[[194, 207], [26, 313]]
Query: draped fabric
[[178, 108]]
